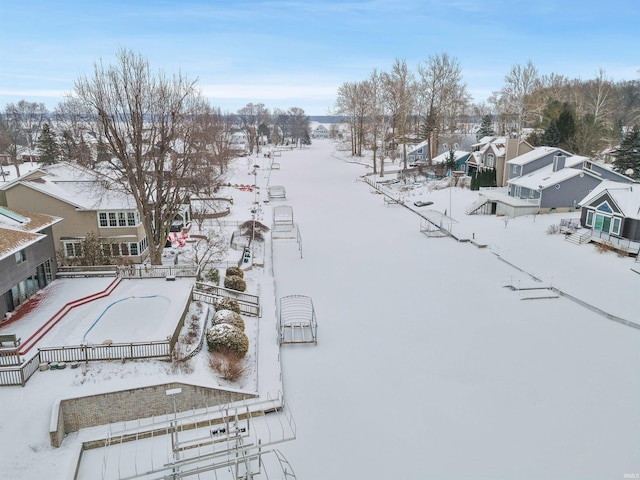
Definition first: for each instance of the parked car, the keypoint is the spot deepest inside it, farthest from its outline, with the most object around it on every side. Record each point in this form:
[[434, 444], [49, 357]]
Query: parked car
[[420, 203]]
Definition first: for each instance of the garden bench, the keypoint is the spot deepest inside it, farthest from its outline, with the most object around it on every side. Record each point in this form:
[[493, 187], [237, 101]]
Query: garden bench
[[9, 338]]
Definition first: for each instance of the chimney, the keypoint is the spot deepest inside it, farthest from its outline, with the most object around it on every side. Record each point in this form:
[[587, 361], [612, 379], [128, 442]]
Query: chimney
[[558, 162]]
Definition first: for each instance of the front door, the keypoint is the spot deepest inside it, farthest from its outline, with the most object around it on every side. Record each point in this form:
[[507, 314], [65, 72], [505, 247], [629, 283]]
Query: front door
[[602, 223]]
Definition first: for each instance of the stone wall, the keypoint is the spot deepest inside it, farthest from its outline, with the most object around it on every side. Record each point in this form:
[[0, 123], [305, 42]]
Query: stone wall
[[74, 414]]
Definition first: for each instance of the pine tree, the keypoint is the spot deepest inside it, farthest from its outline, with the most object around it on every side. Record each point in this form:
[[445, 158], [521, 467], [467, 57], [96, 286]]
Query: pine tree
[[628, 154], [486, 127], [566, 126], [551, 136], [47, 146]]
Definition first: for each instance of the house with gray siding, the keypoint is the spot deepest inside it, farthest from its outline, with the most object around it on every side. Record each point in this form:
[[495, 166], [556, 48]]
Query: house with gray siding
[[27, 256], [547, 179], [611, 212]]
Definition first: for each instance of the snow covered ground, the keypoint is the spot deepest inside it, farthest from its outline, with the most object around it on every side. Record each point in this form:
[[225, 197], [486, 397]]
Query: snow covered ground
[[427, 366]]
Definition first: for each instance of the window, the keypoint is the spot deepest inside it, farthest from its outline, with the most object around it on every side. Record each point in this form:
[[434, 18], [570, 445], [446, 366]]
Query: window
[[133, 248], [21, 256], [615, 226], [143, 245], [490, 160], [73, 249], [604, 207], [589, 219], [517, 191], [119, 219], [515, 170]]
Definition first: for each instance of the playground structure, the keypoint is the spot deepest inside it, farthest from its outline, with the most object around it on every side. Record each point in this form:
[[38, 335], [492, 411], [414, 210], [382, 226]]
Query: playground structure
[[297, 321]]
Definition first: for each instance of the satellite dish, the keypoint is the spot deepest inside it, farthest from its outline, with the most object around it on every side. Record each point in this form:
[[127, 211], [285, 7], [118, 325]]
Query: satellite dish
[[628, 172]]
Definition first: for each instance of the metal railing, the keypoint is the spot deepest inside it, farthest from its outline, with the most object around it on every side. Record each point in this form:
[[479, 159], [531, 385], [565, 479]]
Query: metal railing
[[625, 243], [158, 271], [114, 351]]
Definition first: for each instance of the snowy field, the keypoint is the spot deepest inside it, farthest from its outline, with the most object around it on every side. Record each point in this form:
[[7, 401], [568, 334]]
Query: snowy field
[[427, 366]]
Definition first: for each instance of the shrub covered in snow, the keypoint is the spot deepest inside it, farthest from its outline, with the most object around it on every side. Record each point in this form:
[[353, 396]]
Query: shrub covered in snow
[[228, 367], [226, 303], [234, 271], [213, 276], [230, 317], [228, 340], [235, 283]]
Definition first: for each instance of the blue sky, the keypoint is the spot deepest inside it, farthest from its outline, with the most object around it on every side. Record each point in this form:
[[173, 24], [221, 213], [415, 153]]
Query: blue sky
[[297, 53]]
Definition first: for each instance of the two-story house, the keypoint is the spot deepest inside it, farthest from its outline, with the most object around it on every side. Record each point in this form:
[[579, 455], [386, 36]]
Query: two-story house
[[494, 153], [89, 205], [544, 180], [27, 256]]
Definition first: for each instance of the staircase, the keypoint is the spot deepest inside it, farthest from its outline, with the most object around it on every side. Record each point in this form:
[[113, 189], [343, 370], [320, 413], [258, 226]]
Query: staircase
[[475, 206], [578, 238]]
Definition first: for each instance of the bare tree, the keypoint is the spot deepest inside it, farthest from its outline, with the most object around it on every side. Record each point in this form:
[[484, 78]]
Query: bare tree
[[28, 117], [399, 87], [298, 124], [599, 99], [147, 121], [11, 138], [442, 94], [377, 116], [249, 119], [514, 97], [352, 102], [72, 121]]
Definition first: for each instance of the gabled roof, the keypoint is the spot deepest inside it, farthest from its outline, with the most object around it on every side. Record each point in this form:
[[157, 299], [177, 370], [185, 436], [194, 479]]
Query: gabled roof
[[70, 183], [625, 195], [443, 157], [545, 177], [19, 229], [417, 146], [536, 154]]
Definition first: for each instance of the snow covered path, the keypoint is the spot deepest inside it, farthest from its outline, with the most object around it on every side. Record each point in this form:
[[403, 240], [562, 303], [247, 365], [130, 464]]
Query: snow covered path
[[426, 366]]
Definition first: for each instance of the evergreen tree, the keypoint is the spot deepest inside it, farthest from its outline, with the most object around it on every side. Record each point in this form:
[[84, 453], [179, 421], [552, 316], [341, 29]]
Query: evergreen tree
[[486, 127], [47, 146], [450, 163], [628, 154], [551, 136], [566, 126]]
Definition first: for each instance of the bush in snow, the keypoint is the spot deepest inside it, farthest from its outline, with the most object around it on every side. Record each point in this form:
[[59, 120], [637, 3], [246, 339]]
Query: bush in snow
[[227, 340], [234, 272], [227, 316], [228, 367], [213, 276], [226, 303], [553, 229], [235, 283]]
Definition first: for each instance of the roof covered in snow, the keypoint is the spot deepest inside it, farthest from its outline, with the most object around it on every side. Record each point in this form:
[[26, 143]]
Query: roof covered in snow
[[19, 229], [85, 189], [535, 154], [625, 195]]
